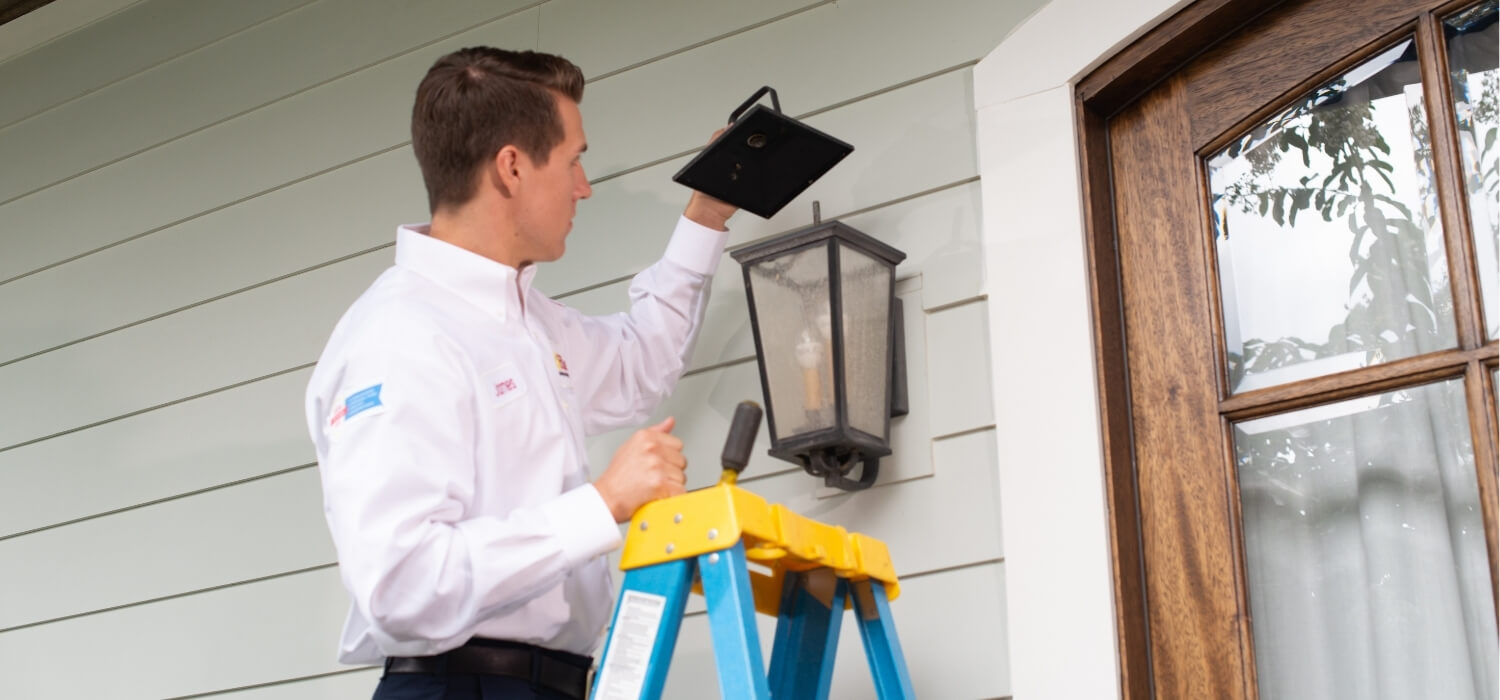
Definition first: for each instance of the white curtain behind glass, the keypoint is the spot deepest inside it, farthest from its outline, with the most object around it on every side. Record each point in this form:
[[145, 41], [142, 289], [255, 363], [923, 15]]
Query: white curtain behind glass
[[1365, 547]]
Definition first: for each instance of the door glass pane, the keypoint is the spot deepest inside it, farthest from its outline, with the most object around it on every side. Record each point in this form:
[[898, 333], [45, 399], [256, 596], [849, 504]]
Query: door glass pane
[[1473, 59], [1330, 250], [1365, 549]]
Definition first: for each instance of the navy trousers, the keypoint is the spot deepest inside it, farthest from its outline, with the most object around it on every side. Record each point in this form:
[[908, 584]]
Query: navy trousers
[[458, 686]]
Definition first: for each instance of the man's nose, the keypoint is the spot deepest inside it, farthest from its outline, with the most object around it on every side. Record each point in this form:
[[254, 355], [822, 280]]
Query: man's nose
[[584, 189]]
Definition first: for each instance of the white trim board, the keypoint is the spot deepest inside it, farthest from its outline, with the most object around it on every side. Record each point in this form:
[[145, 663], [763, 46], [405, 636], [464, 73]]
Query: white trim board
[[1059, 596]]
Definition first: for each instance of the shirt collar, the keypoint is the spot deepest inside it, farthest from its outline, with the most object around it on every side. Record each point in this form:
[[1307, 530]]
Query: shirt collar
[[483, 282]]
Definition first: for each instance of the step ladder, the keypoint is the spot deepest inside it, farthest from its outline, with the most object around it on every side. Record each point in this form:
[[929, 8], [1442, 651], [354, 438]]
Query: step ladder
[[704, 541]]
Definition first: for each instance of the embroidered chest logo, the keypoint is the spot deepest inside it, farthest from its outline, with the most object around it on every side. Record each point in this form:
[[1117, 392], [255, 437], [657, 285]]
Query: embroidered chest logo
[[562, 365], [504, 386]]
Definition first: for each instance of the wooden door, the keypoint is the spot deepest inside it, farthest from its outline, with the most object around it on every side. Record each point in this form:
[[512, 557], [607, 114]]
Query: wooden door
[[1182, 134]]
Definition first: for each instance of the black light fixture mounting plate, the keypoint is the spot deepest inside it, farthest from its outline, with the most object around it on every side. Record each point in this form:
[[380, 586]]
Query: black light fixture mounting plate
[[763, 160]]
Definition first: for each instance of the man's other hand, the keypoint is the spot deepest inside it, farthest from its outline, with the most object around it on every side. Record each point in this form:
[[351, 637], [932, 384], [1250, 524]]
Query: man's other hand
[[707, 211], [649, 466]]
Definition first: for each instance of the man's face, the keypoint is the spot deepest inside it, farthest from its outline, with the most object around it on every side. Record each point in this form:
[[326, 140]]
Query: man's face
[[550, 196]]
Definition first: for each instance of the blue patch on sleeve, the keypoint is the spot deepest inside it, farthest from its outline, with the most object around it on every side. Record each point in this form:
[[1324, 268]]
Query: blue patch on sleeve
[[361, 401]]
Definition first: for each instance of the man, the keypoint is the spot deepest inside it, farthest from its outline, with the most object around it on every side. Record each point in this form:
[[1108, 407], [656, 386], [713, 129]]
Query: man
[[450, 407]]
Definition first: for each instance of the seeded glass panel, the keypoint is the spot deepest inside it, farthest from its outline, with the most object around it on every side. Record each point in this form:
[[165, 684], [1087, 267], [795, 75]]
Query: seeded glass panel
[[791, 299], [1365, 549], [866, 297], [1474, 59], [1329, 245]]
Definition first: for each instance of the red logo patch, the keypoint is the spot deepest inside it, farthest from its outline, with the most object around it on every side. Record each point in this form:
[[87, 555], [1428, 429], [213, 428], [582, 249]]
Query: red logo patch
[[505, 387]]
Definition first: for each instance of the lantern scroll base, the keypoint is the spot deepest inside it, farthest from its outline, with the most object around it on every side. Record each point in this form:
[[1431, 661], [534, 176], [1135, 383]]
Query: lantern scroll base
[[835, 470]]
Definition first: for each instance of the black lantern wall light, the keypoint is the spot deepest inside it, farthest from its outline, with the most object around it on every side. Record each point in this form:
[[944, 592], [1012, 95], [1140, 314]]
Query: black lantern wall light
[[827, 324]]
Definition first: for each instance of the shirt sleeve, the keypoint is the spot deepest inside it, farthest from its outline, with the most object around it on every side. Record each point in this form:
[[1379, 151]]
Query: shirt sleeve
[[633, 360], [396, 446]]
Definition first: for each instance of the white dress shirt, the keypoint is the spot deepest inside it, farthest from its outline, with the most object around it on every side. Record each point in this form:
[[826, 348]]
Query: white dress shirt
[[449, 419]]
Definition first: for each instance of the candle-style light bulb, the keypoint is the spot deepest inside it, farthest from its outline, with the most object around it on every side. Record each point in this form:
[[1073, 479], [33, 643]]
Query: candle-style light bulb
[[809, 356], [825, 327]]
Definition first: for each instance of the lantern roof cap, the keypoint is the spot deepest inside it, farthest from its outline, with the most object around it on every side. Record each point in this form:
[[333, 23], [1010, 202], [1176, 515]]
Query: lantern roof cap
[[815, 234]]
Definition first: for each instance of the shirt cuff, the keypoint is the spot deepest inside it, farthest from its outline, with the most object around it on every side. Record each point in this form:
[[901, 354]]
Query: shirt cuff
[[584, 524], [697, 247]]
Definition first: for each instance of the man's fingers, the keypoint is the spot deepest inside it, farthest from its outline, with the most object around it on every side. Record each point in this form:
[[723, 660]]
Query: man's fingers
[[667, 455], [671, 442], [665, 426]]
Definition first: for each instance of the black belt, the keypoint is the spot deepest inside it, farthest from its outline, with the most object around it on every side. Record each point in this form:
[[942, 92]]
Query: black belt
[[554, 670]]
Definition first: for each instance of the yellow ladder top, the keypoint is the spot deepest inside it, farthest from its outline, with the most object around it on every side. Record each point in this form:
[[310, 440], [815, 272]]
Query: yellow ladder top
[[717, 517]]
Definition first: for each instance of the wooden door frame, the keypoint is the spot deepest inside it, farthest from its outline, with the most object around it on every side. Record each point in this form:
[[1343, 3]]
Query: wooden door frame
[[1112, 87]]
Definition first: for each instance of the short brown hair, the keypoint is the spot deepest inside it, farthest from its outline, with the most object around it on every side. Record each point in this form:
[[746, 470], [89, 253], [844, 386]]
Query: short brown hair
[[475, 101]]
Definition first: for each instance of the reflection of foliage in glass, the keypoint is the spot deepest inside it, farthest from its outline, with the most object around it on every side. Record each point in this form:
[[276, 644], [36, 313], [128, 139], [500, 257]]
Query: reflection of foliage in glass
[[1475, 81], [1480, 119], [1347, 176], [1326, 156]]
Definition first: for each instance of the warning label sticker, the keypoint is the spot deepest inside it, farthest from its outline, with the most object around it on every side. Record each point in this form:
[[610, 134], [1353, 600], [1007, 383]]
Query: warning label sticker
[[630, 645]]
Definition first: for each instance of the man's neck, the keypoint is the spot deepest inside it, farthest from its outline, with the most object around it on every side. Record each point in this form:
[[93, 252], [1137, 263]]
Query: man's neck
[[478, 232]]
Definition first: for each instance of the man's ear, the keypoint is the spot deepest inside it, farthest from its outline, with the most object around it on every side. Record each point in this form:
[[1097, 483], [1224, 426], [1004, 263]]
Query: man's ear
[[506, 169]]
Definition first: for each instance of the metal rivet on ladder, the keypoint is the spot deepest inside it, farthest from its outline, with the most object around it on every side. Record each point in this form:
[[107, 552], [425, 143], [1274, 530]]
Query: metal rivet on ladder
[[713, 558], [643, 526], [677, 518], [713, 534], [671, 548]]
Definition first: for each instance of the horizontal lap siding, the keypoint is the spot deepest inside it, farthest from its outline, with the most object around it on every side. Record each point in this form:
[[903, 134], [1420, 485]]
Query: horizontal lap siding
[[271, 525], [275, 629], [195, 215], [357, 682], [280, 625], [621, 230], [240, 338], [127, 42], [313, 44], [212, 441], [204, 163], [305, 134]]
